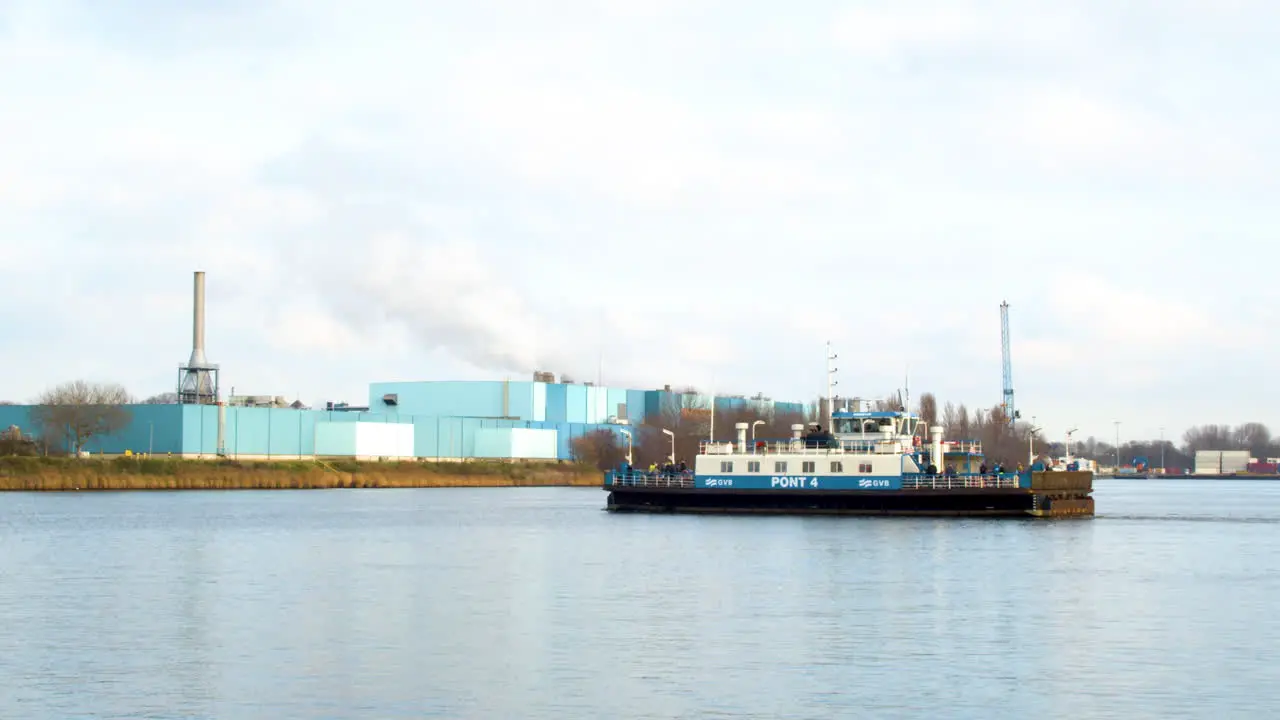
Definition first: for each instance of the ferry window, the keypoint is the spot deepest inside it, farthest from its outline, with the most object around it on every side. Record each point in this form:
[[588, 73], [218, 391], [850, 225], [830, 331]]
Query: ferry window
[[753, 466], [807, 466], [837, 467], [780, 466], [864, 467], [726, 466]]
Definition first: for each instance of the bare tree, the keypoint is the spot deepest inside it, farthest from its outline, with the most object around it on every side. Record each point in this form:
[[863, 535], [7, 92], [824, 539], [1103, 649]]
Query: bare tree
[[929, 409], [813, 411], [14, 442], [1254, 437], [950, 419], [685, 411], [963, 426], [600, 448], [74, 413], [166, 398], [1207, 437], [889, 403], [687, 415]]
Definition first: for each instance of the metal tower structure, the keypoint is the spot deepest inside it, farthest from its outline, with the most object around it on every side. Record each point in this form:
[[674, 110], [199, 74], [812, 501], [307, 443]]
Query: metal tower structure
[[198, 379], [1009, 411]]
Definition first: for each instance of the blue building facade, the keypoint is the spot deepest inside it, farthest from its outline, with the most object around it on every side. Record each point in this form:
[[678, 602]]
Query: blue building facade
[[446, 417]]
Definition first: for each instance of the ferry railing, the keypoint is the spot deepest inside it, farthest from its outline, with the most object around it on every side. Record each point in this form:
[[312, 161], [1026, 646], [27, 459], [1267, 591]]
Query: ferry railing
[[837, 445], [959, 482], [650, 480], [800, 447]]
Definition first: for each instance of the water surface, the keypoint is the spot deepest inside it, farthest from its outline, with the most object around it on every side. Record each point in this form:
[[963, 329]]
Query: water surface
[[532, 603]]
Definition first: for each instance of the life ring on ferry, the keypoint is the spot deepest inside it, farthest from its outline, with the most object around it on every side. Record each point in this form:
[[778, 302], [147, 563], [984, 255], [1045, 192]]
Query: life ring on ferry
[[915, 440]]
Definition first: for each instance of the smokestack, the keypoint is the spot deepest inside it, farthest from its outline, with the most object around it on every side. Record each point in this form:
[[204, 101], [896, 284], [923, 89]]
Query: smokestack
[[198, 380], [197, 330]]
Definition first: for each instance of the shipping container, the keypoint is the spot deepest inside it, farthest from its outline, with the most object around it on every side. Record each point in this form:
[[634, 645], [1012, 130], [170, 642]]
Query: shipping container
[[1208, 462], [1234, 461]]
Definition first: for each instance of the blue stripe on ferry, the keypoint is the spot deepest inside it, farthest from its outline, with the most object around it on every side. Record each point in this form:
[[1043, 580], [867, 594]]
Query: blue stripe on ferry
[[800, 482]]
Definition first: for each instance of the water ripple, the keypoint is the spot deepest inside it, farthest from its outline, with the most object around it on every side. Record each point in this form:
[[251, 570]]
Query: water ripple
[[532, 603]]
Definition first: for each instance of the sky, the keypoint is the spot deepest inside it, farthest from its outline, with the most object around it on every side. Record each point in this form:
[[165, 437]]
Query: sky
[[695, 193]]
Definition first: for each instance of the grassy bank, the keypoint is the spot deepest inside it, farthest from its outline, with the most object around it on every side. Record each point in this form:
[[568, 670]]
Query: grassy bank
[[29, 473]]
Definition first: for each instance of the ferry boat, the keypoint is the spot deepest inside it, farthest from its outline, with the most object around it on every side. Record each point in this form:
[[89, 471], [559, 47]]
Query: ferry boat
[[874, 463]]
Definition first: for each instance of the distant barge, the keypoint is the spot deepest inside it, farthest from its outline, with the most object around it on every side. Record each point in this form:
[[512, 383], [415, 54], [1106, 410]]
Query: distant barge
[[876, 463], [1193, 476]]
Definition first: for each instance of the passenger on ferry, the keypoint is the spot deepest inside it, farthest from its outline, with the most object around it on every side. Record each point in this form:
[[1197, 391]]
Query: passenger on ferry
[[932, 470], [982, 470]]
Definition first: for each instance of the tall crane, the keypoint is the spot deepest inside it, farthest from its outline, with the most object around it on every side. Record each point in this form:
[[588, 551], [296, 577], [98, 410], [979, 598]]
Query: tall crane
[[1009, 412]]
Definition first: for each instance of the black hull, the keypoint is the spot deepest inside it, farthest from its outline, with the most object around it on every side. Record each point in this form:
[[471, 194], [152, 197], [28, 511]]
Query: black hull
[[972, 503]]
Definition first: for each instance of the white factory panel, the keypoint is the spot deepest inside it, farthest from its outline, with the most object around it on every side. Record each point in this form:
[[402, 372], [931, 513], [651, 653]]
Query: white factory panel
[[530, 444], [364, 440], [516, 444]]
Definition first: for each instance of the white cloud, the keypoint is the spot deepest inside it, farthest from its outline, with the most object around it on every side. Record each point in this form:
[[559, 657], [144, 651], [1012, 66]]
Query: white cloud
[[885, 32], [302, 328], [889, 31], [702, 190], [1069, 129]]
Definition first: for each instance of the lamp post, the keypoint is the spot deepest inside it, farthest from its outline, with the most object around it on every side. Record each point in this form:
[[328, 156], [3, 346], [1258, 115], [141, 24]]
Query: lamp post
[[1161, 451], [753, 431], [628, 434], [1069, 434], [1117, 422], [1031, 439], [671, 435]]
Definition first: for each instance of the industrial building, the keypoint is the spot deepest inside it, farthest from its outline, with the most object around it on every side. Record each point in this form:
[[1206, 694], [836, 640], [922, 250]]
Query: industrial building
[[536, 419], [449, 420]]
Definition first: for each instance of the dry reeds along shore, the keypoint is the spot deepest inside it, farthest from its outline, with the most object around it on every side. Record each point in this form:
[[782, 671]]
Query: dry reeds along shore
[[138, 473]]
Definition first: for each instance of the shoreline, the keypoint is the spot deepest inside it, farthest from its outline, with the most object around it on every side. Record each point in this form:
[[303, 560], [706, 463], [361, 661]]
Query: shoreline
[[33, 474]]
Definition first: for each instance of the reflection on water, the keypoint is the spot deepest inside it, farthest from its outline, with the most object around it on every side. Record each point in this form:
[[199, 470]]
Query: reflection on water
[[534, 603]]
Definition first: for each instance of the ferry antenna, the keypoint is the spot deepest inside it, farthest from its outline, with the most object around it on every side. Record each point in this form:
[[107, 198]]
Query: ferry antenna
[[831, 383]]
